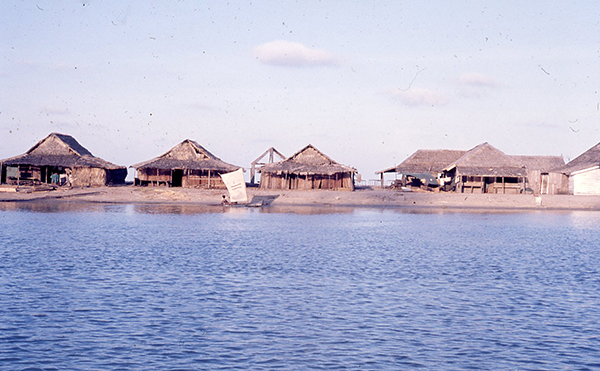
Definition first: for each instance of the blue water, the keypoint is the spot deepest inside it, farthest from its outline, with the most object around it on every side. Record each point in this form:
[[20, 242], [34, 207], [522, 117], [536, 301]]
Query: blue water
[[92, 287]]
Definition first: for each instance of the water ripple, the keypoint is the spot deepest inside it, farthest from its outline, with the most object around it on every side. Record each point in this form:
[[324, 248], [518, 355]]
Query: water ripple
[[361, 290]]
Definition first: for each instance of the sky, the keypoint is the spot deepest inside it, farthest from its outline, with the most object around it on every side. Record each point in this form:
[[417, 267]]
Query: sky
[[366, 82]]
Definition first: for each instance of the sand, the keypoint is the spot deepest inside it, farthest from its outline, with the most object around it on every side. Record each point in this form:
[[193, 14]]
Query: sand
[[386, 198]]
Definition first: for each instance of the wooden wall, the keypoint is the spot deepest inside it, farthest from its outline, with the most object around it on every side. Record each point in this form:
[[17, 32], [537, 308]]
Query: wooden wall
[[547, 183], [489, 184]]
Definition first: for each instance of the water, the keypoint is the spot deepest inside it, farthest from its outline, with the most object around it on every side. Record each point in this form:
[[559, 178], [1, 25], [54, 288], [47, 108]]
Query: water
[[93, 287]]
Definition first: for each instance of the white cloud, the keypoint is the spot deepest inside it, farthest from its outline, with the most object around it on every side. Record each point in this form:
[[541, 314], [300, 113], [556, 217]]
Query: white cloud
[[287, 53], [26, 63], [52, 110], [418, 97], [477, 79]]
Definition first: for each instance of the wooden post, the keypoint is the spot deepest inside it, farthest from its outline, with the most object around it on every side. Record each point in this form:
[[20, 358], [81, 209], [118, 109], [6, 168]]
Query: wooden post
[[503, 186], [209, 175]]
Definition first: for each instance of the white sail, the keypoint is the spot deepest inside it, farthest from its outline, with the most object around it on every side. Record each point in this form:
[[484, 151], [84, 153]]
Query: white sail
[[236, 185]]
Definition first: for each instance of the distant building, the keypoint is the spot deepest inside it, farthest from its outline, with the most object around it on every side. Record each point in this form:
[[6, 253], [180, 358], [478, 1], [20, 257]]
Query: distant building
[[584, 172], [188, 164], [308, 168], [486, 169], [542, 178], [482, 169], [424, 164], [59, 159]]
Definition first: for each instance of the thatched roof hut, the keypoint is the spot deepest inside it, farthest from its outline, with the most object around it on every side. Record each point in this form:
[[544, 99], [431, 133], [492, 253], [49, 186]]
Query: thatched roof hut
[[60, 159], [486, 169], [486, 160], [431, 161], [424, 163], [188, 164], [308, 168], [541, 163]]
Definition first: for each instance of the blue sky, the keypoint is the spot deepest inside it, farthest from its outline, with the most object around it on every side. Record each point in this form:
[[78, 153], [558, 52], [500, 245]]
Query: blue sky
[[367, 82]]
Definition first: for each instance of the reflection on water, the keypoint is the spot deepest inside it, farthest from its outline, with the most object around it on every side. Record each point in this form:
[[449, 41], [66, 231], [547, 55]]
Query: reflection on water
[[57, 207], [576, 218], [183, 209], [585, 219], [176, 209]]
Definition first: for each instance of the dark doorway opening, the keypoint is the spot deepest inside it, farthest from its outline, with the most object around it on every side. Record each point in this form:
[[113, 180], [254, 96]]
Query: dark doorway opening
[[176, 178]]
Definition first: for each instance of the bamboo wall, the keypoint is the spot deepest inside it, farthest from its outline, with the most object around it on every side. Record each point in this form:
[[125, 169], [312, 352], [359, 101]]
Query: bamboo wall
[[86, 177], [154, 176], [339, 181], [79, 177], [189, 178]]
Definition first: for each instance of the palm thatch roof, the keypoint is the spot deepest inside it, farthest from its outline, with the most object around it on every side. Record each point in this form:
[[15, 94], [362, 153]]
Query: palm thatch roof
[[426, 161], [486, 160], [60, 150], [187, 155], [586, 160], [308, 160], [541, 163]]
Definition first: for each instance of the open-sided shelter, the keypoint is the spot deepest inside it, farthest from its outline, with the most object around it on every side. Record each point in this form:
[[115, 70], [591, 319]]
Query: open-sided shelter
[[486, 169], [60, 159], [584, 172], [188, 164], [308, 168], [423, 164]]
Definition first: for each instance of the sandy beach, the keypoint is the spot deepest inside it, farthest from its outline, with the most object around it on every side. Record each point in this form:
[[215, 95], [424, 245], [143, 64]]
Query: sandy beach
[[359, 198]]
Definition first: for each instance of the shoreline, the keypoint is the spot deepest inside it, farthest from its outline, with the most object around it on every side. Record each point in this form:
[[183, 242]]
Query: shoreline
[[361, 198]]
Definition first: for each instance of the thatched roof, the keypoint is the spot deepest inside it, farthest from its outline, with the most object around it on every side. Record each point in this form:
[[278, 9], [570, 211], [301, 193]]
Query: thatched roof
[[541, 163], [187, 155], [486, 160], [308, 160], [586, 160], [426, 161], [60, 150]]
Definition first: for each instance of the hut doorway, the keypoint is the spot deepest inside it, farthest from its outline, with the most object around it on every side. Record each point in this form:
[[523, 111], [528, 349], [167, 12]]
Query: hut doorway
[[52, 174], [545, 183], [176, 178], [46, 173]]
